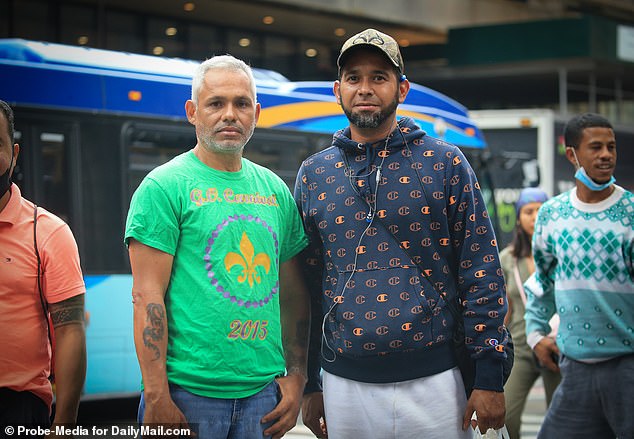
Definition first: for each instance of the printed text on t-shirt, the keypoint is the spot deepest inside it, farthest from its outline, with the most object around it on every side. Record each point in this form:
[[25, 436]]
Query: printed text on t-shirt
[[212, 195], [250, 329]]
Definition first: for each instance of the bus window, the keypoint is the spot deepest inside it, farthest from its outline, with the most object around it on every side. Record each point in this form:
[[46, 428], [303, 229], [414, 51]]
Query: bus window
[[148, 145], [54, 172], [18, 172], [44, 167], [282, 152]]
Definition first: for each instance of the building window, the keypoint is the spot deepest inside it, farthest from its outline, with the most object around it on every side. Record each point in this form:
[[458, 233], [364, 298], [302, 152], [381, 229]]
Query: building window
[[4, 19], [165, 37], [315, 61], [279, 55], [245, 45], [204, 42], [32, 20], [124, 32], [78, 25]]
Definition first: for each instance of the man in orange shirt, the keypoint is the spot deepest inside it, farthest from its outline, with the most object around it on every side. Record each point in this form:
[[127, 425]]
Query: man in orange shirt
[[25, 352]]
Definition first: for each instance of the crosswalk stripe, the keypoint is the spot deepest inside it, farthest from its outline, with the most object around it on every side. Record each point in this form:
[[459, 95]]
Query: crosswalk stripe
[[530, 425]]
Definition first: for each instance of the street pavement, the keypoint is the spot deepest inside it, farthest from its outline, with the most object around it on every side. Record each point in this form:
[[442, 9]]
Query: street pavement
[[531, 418], [534, 411]]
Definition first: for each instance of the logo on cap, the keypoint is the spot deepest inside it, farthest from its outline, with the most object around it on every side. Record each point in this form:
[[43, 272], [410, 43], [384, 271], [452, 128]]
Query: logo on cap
[[372, 37]]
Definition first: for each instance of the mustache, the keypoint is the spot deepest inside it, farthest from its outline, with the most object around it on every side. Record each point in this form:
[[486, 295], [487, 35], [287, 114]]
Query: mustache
[[230, 125]]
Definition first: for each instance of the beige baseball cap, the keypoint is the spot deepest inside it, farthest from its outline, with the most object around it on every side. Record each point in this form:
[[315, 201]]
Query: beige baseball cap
[[372, 37]]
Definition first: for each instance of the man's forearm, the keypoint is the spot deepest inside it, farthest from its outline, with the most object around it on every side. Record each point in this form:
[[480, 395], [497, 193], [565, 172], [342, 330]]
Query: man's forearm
[[70, 371], [295, 316], [150, 338], [295, 344], [151, 272], [295, 329], [70, 357]]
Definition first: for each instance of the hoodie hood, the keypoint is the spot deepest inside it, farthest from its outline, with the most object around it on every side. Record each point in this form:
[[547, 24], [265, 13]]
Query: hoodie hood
[[409, 130]]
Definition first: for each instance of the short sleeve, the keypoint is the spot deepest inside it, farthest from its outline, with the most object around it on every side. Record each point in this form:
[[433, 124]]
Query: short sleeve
[[152, 219], [62, 275]]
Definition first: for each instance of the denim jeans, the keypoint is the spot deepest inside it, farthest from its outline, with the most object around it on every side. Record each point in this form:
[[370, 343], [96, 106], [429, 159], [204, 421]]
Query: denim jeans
[[214, 418], [593, 401]]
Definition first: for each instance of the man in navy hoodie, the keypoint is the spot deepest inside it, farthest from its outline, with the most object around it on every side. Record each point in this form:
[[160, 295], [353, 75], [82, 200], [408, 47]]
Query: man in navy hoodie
[[398, 228]]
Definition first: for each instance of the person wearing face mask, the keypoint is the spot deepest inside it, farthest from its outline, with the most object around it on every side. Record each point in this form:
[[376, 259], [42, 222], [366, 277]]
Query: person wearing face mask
[[28, 302], [517, 263], [583, 246]]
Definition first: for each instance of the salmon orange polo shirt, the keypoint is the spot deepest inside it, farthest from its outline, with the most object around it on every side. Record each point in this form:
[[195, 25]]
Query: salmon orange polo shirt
[[25, 354]]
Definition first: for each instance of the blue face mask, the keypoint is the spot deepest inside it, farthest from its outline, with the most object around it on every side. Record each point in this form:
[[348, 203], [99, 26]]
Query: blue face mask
[[583, 177], [589, 183]]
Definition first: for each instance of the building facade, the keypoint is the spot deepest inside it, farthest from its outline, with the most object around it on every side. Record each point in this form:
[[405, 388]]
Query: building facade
[[566, 55]]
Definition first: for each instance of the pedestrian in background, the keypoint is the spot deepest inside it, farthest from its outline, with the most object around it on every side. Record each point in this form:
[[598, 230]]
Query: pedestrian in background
[[398, 230], [220, 311], [584, 258], [40, 279], [517, 263]]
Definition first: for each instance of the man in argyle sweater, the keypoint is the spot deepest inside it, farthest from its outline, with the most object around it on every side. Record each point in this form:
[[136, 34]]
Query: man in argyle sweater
[[583, 247]]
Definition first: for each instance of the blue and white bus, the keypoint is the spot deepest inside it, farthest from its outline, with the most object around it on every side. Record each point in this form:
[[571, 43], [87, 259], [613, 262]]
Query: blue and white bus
[[92, 123]]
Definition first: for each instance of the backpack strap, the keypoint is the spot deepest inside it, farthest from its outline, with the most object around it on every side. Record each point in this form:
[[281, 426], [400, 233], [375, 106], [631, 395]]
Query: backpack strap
[[43, 301]]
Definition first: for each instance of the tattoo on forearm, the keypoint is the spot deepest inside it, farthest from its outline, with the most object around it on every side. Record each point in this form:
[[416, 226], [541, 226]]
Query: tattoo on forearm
[[69, 311], [154, 332], [295, 347], [296, 370], [295, 364]]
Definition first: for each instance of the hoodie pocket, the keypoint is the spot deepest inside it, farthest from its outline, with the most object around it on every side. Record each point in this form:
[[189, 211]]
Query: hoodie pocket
[[380, 311]]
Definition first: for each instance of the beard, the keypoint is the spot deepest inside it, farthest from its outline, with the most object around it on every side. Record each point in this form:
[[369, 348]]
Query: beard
[[207, 137], [371, 120]]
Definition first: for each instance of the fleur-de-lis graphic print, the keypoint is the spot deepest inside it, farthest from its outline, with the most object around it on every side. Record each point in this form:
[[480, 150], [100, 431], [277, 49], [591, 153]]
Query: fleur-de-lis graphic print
[[248, 261]]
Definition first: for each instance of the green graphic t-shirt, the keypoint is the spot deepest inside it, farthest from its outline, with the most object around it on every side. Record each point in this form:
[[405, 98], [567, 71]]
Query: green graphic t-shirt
[[228, 233]]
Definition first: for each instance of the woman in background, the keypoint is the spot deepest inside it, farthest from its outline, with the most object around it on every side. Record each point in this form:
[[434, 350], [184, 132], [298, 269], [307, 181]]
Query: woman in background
[[517, 263]]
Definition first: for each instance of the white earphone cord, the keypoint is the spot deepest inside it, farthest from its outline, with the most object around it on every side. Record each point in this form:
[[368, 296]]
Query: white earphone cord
[[370, 220]]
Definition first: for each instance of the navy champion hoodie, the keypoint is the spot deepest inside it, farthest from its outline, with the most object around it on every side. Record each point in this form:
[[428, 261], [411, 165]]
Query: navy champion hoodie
[[376, 215]]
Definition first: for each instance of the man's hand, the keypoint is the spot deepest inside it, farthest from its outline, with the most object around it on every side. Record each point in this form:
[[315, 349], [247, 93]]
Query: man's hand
[[489, 408], [546, 352], [286, 412], [164, 412], [313, 414]]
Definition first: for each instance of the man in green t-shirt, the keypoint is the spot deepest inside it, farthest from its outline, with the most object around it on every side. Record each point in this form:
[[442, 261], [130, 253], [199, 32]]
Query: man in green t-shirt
[[220, 309]]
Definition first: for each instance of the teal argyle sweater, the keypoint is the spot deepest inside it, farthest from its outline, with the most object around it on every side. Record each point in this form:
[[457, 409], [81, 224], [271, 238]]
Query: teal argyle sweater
[[584, 261]]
